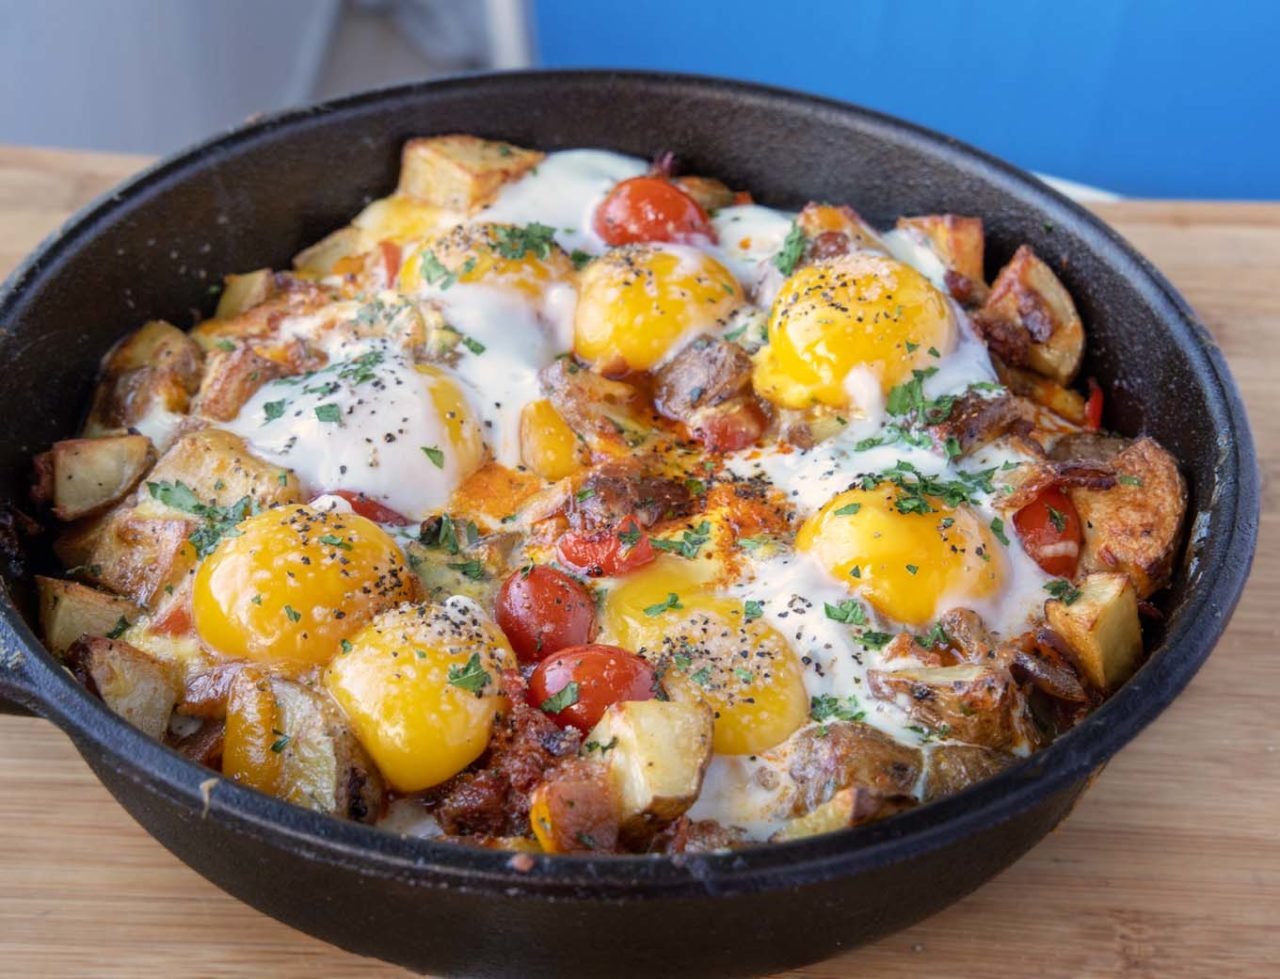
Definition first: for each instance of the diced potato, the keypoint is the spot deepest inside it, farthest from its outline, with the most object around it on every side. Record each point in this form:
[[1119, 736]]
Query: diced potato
[[132, 684], [848, 807], [965, 702], [147, 382], [710, 194], [323, 257], [254, 734], [88, 475], [69, 610], [157, 345], [232, 378], [138, 556], [547, 444], [821, 760], [323, 766], [1135, 526], [817, 220], [952, 767], [655, 753], [401, 218], [959, 243], [243, 292], [459, 172], [1030, 319], [219, 469], [1043, 391], [575, 809], [1101, 628]]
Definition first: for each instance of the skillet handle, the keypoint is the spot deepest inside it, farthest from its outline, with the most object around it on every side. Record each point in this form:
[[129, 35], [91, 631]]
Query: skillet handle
[[18, 692]]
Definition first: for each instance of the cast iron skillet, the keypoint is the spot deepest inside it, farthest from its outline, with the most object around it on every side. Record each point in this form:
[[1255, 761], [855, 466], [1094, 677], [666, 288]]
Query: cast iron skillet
[[255, 195]]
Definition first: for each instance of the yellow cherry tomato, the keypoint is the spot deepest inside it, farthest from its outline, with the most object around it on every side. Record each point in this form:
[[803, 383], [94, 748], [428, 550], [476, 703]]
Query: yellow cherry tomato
[[293, 582], [421, 687]]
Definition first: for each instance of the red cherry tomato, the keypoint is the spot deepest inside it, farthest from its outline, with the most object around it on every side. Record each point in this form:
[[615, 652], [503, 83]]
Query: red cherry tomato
[[1093, 407], [371, 509], [389, 256], [607, 552], [732, 428], [1050, 530], [601, 675], [650, 209], [543, 610]]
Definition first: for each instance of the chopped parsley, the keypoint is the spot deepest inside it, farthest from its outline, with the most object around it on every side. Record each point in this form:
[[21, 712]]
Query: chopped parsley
[[292, 613], [470, 569], [827, 707], [1129, 480], [908, 398], [997, 528], [330, 413], [566, 696], [435, 454], [118, 629], [751, 609], [225, 345], [874, 640], [591, 746], [850, 611], [517, 242], [333, 540], [702, 677], [912, 568], [848, 510], [579, 258], [935, 638], [689, 543], [470, 677], [631, 536], [434, 271], [1063, 591], [792, 250], [219, 521], [474, 345], [281, 742], [752, 543], [1057, 518], [671, 602]]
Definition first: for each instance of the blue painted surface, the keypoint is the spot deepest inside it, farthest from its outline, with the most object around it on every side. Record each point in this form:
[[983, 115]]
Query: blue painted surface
[[1156, 98]]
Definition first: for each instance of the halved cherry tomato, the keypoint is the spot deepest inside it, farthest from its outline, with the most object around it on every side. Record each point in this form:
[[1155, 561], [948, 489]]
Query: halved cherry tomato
[[600, 676], [371, 509], [607, 552], [1093, 407], [650, 209], [732, 427], [1050, 530], [543, 610]]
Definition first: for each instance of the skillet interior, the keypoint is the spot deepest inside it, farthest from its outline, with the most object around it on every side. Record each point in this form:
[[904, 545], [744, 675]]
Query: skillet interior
[[253, 197]]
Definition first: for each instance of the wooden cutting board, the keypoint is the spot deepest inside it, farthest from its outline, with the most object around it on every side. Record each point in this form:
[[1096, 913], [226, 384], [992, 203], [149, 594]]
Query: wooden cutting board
[[1170, 866]]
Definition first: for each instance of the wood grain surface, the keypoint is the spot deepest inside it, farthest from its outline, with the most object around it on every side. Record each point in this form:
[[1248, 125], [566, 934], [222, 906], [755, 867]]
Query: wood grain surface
[[1170, 867]]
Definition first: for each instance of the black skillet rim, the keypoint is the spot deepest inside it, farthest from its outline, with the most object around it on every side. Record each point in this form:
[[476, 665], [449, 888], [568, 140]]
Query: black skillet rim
[[42, 685]]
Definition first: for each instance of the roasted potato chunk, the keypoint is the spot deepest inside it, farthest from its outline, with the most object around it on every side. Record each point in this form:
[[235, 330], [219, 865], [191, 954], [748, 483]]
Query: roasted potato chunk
[[1135, 525], [220, 470], [959, 243], [138, 687], [709, 193], [966, 702], [137, 556], [232, 378], [1100, 628], [460, 172], [1043, 391], [147, 377], [69, 610], [86, 476], [823, 760], [655, 753], [1030, 320], [243, 292], [952, 767], [848, 807], [323, 257]]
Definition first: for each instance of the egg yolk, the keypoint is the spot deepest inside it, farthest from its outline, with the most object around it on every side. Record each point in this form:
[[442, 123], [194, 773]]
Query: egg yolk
[[744, 670], [421, 688], [904, 564], [860, 310], [524, 259], [636, 304], [293, 583], [462, 434]]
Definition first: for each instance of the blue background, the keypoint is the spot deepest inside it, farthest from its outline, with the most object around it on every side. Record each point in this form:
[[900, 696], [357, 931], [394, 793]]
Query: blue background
[[1155, 98]]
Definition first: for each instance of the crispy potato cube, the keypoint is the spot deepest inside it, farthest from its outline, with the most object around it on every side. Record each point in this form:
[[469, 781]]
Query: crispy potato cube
[[401, 218], [1101, 628], [848, 807], [139, 556], [575, 809], [709, 193], [70, 610], [221, 470], [232, 378], [835, 230], [323, 257], [966, 702], [1030, 320], [1043, 391], [86, 476], [459, 172], [1135, 525], [243, 292], [958, 241], [655, 753], [136, 686], [952, 767], [821, 760], [158, 345], [323, 767]]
